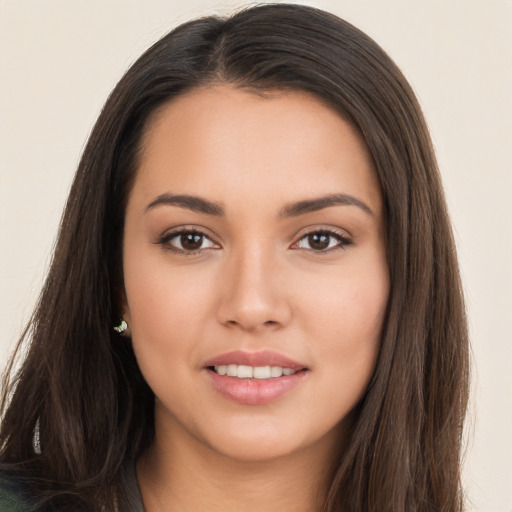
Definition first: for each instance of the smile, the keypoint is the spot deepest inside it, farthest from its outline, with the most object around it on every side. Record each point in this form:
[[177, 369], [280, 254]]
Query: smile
[[241, 371], [254, 378]]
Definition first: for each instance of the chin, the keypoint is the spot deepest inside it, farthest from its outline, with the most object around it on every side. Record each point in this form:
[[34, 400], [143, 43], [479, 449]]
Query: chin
[[252, 450], [265, 443]]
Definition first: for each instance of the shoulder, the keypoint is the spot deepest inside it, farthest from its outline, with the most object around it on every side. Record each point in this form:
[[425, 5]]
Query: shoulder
[[14, 495]]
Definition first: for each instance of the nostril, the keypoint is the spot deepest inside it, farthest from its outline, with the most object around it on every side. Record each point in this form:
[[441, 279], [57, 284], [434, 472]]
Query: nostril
[[268, 324]]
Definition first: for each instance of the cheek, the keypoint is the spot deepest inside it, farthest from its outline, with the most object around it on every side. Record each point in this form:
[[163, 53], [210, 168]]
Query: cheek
[[166, 337], [349, 305], [158, 294], [166, 311], [345, 318]]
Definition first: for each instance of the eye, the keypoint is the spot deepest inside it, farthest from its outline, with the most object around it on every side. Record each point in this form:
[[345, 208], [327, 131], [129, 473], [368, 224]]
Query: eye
[[323, 241], [187, 241]]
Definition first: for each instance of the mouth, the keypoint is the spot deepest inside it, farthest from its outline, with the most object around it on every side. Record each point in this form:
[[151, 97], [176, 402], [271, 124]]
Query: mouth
[[254, 378], [242, 371]]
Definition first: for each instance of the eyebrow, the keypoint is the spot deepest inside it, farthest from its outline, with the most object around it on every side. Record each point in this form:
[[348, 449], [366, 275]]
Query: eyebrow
[[314, 205], [200, 205], [194, 203]]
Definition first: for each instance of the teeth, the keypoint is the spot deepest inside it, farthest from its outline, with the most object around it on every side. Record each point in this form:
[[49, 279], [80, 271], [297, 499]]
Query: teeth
[[261, 372], [245, 372], [232, 370], [276, 371], [242, 371]]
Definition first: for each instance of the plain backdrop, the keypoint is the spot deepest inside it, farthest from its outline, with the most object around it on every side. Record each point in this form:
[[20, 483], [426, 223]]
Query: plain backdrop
[[60, 59]]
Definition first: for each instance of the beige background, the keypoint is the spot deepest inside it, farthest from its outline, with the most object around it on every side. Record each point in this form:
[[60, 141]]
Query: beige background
[[60, 59]]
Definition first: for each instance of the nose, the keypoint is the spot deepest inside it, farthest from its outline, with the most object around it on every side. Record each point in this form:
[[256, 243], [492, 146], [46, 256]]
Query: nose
[[253, 293]]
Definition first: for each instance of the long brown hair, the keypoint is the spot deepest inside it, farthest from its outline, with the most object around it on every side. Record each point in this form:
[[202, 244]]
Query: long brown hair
[[79, 385]]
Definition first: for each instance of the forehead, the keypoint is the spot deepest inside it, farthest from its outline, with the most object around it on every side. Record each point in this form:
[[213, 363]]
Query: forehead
[[232, 141]]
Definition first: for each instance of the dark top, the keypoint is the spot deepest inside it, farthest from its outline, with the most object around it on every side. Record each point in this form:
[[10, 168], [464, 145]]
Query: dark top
[[16, 497]]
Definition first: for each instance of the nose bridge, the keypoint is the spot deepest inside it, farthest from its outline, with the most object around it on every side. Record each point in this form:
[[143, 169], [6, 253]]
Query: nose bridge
[[253, 296]]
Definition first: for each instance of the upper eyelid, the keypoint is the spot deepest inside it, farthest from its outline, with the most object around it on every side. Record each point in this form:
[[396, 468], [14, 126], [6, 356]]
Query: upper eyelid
[[308, 230], [341, 237], [172, 232]]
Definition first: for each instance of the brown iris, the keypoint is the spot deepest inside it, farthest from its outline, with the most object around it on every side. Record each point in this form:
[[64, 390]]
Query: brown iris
[[319, 241], [191, 241]]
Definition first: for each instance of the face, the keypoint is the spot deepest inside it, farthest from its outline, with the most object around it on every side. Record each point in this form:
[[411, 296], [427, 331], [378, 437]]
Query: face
[[255, 271]]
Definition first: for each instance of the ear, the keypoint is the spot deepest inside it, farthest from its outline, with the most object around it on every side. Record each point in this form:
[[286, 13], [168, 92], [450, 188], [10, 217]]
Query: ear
[[127, 318]]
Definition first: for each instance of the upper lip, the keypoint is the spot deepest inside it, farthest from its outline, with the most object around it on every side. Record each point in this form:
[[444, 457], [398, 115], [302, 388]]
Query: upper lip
[[261, 358]]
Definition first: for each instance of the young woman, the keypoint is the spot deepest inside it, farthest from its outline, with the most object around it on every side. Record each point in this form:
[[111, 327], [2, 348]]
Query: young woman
[[254, 301]]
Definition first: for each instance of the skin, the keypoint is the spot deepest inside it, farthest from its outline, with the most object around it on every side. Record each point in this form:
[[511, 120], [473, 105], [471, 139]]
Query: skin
[[255, 284]]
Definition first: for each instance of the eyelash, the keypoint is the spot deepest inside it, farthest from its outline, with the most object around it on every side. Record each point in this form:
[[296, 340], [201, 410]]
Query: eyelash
[[166, 239], [342, 241]]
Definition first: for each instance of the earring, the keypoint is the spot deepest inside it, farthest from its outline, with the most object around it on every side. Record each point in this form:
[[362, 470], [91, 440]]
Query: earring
[[122, 327]]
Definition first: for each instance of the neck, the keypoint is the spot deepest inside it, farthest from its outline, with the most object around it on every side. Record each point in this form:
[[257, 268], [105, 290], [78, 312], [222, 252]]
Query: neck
[[186, 477]]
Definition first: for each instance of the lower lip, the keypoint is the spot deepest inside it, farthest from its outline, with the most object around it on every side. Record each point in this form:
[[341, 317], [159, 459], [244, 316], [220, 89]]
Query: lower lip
[[255, 391]]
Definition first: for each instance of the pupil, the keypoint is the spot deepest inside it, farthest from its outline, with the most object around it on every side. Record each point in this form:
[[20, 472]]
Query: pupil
[[191, 241], [318, 241]]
